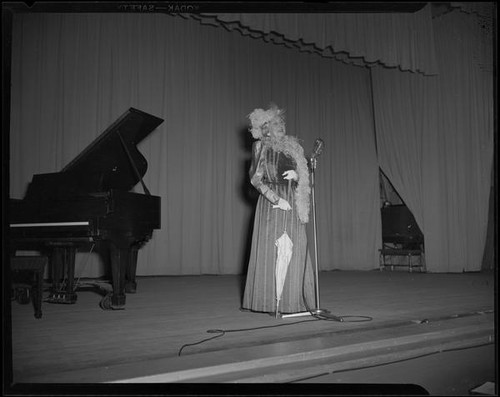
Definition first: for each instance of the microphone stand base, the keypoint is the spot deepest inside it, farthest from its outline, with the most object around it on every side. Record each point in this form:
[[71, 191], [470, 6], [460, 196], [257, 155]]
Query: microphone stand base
[[298, 314], [321, 314]]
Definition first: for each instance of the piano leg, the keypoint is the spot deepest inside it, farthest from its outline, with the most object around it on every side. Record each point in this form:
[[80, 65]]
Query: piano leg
[[70, 254], [56, 268], [131, 284], [120, 256]]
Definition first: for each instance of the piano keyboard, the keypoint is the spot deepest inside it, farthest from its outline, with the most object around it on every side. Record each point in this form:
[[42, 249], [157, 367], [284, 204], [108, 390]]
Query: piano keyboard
[[49, 224]]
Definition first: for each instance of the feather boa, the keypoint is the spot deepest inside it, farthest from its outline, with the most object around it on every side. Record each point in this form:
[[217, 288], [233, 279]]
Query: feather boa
[[291, 147]]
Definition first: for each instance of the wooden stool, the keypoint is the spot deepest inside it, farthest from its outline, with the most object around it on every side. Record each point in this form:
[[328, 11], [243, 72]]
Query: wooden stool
[[33, 268]]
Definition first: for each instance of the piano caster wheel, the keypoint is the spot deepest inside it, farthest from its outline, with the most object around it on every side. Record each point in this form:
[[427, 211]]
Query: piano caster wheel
[[106, 304], [131, 288]]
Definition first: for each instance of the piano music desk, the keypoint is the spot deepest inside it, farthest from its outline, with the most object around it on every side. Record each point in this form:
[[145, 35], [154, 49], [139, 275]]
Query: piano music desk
[[34, 266]]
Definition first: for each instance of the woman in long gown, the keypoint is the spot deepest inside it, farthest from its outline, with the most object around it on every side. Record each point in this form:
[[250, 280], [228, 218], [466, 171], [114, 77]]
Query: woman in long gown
[[279, 172]]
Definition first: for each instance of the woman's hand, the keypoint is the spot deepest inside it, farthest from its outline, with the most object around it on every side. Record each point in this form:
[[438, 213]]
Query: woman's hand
[[290, 174], [283, 205]]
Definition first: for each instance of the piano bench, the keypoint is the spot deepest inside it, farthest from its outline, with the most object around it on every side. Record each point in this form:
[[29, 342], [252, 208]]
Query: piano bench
[[27, 280]]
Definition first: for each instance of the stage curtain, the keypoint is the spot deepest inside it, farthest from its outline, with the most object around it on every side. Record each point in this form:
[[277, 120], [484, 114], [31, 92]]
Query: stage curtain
[[74, 74], [400, 40], [435, 142]]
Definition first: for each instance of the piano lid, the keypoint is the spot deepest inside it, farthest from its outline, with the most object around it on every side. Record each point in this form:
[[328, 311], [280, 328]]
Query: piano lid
[[112, 161], [399, 225]]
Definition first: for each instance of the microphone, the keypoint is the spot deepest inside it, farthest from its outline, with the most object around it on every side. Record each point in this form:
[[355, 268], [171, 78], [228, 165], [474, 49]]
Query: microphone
[[318, 148]]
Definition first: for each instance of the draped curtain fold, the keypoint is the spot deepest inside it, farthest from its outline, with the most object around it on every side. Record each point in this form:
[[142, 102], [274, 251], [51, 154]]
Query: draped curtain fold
[[401, 40], [435, 143], [74, 74]]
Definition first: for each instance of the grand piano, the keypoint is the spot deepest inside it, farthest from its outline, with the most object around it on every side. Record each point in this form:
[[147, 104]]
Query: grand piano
[[89, 202], [401, 237]]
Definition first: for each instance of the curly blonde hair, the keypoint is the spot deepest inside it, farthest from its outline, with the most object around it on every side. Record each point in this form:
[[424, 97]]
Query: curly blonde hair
[[261, 119]]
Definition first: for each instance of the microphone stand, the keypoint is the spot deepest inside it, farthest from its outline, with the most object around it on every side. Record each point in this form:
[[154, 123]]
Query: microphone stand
[[315, 234], [317, 312]]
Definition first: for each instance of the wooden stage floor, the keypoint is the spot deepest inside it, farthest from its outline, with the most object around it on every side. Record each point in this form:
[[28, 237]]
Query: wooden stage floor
[[161, 336]]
